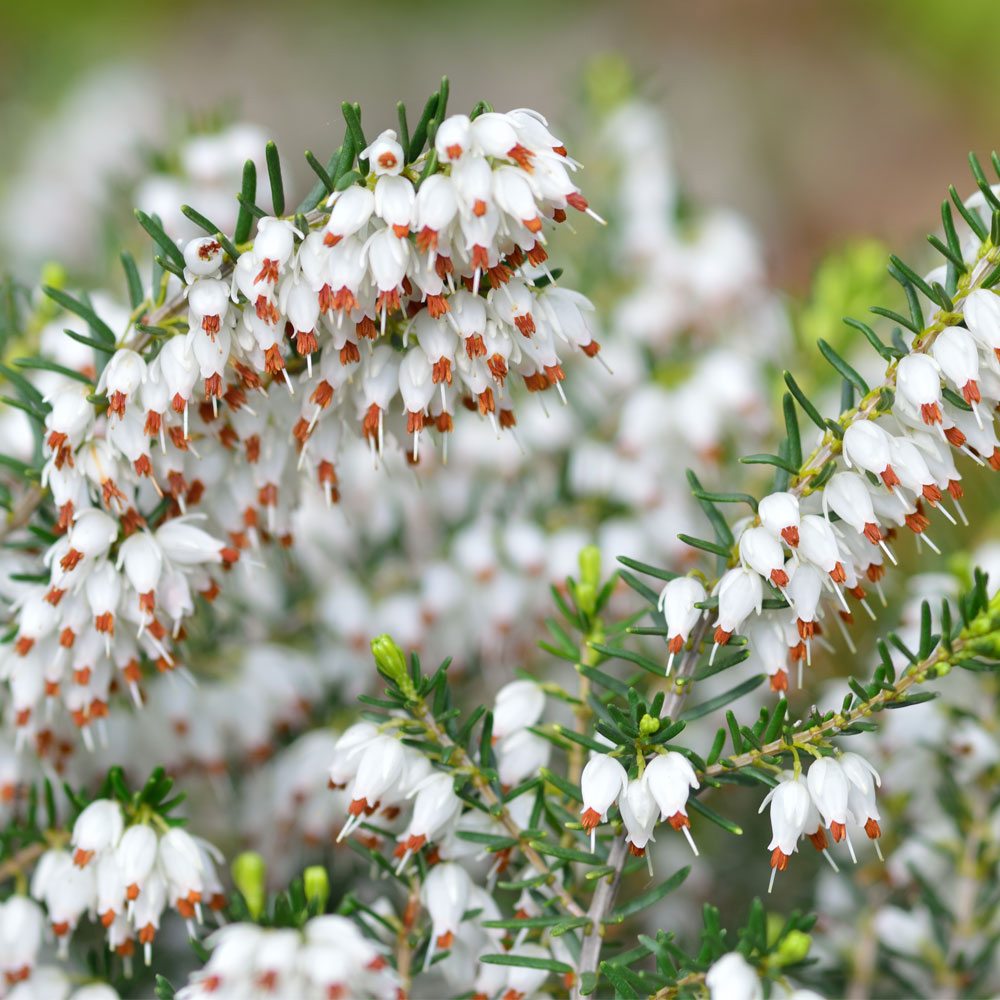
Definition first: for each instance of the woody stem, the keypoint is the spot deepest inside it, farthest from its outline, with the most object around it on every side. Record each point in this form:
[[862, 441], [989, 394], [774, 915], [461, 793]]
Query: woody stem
[[22, 511], [607, 889], [462, 760], [915, 674]]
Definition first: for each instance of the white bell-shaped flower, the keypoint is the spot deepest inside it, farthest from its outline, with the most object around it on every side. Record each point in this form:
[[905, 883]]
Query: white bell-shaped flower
[[670, 778], [517, 705], [955, 351], [982, 317], [350, 212], [639, 814], [184, 544], [918, 381], [122, 376], [818, 544], [779, 514], [740, 593], [98, 828], [147, 912], [381, 766], [762, 552], [863, 779], [521, 755], [846, 494], [732, 977], [136, 855], [445, 894], [202, 257], [677, 604], [452, 138], [866, 445], [829, 788], [789, 801], [385, 154]]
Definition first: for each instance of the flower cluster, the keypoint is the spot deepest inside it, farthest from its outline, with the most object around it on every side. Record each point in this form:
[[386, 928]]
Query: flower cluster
[[437, 273], [328, 957], [659, 793], [383, 776], [125, 877], [817, 548], [836, 792]]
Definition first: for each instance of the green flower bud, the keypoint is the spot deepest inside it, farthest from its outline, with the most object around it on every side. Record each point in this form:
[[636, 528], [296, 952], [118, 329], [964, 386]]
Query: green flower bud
[[590, 565], [648, 725], [391, 663], [793, 948], [316, 883], [586, 597], [250, 873]]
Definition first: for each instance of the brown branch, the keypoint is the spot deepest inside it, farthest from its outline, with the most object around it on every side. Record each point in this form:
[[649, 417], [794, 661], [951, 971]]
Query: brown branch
[[916, 673], [489, 796], [23, 509], [607, 889], [16, 864]]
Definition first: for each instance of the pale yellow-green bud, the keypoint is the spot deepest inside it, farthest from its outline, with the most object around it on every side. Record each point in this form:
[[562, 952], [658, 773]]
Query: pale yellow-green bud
[[648, 725], [250, 874], [316, 883], [391, 662], [793, 948], [590, 566]]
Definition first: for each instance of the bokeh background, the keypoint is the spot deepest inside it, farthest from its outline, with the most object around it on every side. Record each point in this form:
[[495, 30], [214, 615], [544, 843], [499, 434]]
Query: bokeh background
[[817, 121]]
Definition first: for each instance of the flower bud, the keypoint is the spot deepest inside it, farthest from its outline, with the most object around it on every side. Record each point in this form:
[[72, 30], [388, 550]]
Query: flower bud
[[391, 663], [316, 884], [249, 872], [590, 566], [648, 725], [793, 948]]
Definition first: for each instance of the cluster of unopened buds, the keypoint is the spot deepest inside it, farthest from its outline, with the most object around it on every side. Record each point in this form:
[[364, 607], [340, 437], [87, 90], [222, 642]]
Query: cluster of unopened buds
[[125, 877], [816, 551], [383, 776], [658, 794], [836, 793], [422, 292]]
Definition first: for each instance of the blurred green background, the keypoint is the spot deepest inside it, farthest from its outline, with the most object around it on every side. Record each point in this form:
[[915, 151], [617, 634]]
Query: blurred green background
[[818, 120]]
